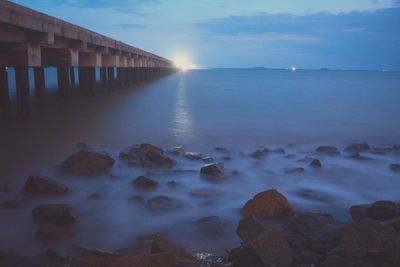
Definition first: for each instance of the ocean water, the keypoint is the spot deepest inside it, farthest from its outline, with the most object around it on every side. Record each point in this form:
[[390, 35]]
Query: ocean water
[[198, 110]]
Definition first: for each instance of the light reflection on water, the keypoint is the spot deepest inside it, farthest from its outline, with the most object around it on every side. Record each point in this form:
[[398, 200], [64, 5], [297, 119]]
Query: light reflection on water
[[183, 122]]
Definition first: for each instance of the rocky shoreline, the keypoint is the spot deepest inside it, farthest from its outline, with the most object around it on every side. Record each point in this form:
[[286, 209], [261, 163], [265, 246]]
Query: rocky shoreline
[[272, 231]]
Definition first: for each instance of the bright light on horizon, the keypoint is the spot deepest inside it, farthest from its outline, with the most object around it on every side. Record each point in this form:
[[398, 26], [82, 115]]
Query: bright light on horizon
[[183, 62]]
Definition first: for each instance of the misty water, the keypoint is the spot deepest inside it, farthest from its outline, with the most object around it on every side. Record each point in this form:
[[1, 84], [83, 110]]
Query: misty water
[[240, 110]]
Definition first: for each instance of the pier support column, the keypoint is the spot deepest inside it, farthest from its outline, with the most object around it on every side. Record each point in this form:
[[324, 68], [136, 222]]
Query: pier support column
[[103, 75], [39, 76], [4, 91], [110, 77], [22, 87], [72, 76], [63, 83]]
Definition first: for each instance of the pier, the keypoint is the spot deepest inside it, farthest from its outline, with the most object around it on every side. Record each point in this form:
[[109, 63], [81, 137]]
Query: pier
[[30, 39]]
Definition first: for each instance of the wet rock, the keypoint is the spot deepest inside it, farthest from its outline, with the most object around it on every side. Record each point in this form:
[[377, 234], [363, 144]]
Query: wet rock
[[221, 149], [357, 147], [316, 164], [336, 261], [82, 146], [204, 192], [314, 195], [383, 210], [82, 252], [395, 223], [361, 239], [142, 182], [15, 260], [380, 150], [43, 186], [87, 162], [177, 151], [268, 250], [155, 260], [358, 156], [54, 213], [249, 228], [213, 225], [307, 259], [358, 212], [161, 244], [214, 172], [16, 202], [279, 151], [269, 203], [395, 167], [209, 260], [55, 232], [173, 184], [259, 153], [52, 258], [330, 150], [192, 156], [295, 170], [147, 155], [162, 204], [207, 159]]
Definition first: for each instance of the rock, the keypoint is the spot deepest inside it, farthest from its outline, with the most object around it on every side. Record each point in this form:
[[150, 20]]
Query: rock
[[307, 259], [336, 261], [395, 167], [15, 260], [177, 151], [268, 250], [396, 147], [43, 186], [214, 172], [52, 258], [160, 244], [259, 153], [316, 164], [204, 192], [296, 170], [142, 182], [383, 210], [249, 228], [380, 150], [173, 184], [221, 149], [54, 213], [314, 195], [357, 147], [330, 150], [207, 159], [82, 145], [358, 156], [395, 223], [87, 162], [213, 225], [4, 189], [279, 151], [269, 203], [147, 155], [192, 156], [95, 196], [81, 252], [55, 232], [361, 239], [209, 260], [358, 212], [162, 204], [16, 202], [155, 260]]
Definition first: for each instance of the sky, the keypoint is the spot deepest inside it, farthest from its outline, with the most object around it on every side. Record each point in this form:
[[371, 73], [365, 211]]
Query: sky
[[336, 34]]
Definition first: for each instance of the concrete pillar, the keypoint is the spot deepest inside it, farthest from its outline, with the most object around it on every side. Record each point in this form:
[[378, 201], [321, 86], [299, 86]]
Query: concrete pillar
[[22, 87], [38, 73], [4, 91], [63, 83], [103, 75], [111, 77], [72, 76]]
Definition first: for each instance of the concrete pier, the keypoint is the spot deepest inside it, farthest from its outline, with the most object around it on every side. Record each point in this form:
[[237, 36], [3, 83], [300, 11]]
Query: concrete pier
[[30, 39]]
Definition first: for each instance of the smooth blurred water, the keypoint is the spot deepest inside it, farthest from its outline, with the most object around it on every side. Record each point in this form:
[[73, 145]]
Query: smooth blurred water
[[198, 110]]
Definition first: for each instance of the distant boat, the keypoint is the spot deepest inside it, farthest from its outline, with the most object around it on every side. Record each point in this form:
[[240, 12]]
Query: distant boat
[[259, 68], [323, 69]]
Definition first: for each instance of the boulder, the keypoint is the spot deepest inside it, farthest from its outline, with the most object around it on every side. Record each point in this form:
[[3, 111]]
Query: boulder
[[267, 250], [87, 162], [357, 147], [316, 164], [259, 153], [146, 155], [15, 260], [395, 223], [383, 210], [395, 167], [162, 204], [192, 156], [249, 228], [214, 169], [269, 203], [142, 182], [358, 212], [207, 159], [52, 258], [160, 244], [55, 232], [43, 186], [358, 156], [295, 170], [212, 225], [54, 213], [16, 202], [177, 151], [307, 259], [330, 150]]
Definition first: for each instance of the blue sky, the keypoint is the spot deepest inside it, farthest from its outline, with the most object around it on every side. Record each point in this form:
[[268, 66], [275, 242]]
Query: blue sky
[[340, 34]]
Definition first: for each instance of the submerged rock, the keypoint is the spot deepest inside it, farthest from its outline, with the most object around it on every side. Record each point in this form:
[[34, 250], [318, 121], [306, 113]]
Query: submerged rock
[[383, 210], [330, 150], [162, 204], [87, 162], [213, 172], [54, 232], [316, 164], [358, 156], [147, 155], [395, 167], [160, 244], [294, 170], [269, 203], [37, 185], [357, 147], [192, 156], [54, 213], [314, 195], [259, 153], [267, 250], [249, 228], [142, 182], [213, 225], [221, 149], [82, 252]]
